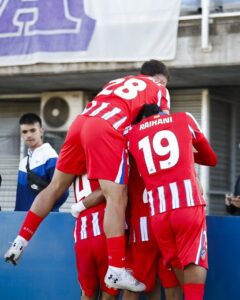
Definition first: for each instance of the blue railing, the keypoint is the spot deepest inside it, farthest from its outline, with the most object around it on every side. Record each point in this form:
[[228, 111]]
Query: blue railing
[[47, 269]]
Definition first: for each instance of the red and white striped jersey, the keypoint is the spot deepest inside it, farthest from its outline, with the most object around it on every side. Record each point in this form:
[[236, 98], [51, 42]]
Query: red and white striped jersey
[[121, 100], [139, 209], [162, 146], [89, 222]]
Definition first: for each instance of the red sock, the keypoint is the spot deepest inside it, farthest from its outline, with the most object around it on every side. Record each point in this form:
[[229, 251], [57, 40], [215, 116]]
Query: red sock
[[30, 225], [116, 251], [193, 291]]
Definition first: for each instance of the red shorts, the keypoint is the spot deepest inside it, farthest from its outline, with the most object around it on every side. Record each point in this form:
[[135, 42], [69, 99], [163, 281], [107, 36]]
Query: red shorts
[[92, 264], [93, 145], [166, 275], [181, 236], [145, 260]]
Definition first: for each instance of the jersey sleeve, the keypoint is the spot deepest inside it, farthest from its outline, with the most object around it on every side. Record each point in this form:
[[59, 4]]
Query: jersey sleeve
[[205, 155], [164, 99], [194, 128]]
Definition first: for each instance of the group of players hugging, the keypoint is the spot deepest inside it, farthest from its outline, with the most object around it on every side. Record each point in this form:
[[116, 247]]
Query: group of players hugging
[[140, 210]]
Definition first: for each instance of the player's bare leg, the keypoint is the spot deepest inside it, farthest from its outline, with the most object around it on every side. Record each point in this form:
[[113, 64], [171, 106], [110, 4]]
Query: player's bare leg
[[194, 274], [88, 298], [114, 226], [156, 294], [84, 297], [106, 296], [194, 281], [180, 275], [173, 293], [116, 197], [128, 295]]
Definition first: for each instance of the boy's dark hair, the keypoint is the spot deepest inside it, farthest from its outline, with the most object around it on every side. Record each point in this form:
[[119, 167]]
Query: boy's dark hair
[[30, 118], [153, 67], [147, 111]]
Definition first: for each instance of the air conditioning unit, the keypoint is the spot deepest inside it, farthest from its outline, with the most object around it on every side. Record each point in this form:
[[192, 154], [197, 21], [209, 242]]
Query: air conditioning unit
[[58, 110]]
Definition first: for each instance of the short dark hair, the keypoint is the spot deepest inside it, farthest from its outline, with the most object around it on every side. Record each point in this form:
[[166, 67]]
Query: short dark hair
[[147, 111], [153, 67], [30, 118]]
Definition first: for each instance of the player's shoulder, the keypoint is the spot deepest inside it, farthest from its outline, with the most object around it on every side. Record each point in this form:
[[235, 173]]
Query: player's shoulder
[[190, 117], [182, 114], [191, 120]]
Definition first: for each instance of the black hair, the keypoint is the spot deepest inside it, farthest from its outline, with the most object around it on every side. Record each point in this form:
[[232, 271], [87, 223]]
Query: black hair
[[30, 118], [147, 111], [154, 67]]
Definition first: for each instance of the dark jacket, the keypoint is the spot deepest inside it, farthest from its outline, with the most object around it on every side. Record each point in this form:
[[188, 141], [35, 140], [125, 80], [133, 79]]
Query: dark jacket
[[231, 209]]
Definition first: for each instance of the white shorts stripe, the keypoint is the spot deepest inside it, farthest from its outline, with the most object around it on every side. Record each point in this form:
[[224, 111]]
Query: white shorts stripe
[[120, 170], [200, 246]]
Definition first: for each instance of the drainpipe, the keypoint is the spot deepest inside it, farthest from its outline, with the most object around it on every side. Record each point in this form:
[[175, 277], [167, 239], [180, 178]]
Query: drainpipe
[[206, 47]]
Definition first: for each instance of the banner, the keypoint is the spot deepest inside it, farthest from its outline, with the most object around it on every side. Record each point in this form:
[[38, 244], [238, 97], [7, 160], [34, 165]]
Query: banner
[[55, 31]]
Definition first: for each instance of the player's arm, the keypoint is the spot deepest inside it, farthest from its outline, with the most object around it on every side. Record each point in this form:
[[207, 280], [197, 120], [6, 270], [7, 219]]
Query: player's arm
[[50, 169], [40, 208], [91, 200], [45, 200], [204, 154]]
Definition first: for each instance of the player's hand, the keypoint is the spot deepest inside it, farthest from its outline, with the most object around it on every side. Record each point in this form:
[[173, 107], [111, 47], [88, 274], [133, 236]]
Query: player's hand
[[14, 253], [76, 208]]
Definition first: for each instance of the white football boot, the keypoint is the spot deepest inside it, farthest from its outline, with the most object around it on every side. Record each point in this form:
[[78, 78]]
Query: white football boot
[[14, 253], [120, 278]]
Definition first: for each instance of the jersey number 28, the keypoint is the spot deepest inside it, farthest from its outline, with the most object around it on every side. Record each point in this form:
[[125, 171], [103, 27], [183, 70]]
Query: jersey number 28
[[128, 90]]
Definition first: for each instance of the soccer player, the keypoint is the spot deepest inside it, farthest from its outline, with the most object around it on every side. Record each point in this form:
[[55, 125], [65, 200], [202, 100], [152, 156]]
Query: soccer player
[[90, 240], [144, 257], [162, 147], [95, 143]]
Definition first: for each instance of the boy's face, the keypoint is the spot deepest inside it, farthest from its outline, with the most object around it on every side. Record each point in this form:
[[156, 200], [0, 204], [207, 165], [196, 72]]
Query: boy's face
[[32, 135]]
